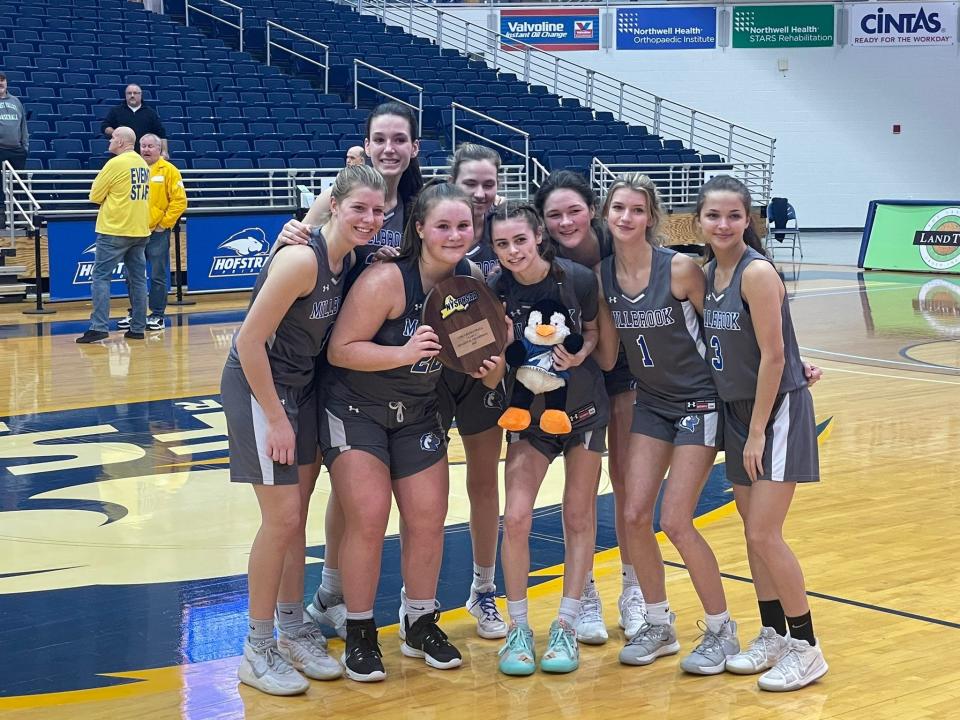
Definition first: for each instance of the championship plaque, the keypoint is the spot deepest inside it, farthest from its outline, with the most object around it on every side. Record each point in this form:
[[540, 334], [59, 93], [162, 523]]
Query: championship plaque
[[468, 319]]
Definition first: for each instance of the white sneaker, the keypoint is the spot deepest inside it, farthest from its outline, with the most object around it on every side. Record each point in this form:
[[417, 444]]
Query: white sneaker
[[306, 650], [334, 616], [267, 671], [483, 606], [764, 652], [590, 627], [710, 655], [799, 666], [633, 611]]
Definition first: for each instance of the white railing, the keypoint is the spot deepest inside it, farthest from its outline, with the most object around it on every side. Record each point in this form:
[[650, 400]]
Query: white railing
[[65, 193], [326, 50], [698, 130], [679, 183], [538, 173], [358, 83], [469, 112], [238, 26], [13, 207]]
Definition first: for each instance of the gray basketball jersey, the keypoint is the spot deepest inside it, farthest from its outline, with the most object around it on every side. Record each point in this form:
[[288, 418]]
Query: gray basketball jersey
[[660, 334], [587, 402], [410, 384], [482, 254], [732, 347], [390, 234], [303, 331]]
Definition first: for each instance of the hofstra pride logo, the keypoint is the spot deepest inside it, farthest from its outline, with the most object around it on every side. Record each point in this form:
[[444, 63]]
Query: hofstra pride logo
[[243, 253], [84, 272]]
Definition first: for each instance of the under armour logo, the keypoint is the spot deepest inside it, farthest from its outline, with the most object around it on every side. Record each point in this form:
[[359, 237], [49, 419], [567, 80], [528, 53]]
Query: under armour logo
[[418, 306], [326, 288], [351, 408], [612, 300], [516, 313]]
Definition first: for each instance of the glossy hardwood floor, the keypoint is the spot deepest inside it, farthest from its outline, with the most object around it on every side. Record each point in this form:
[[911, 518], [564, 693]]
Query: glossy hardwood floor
[[123, 547]]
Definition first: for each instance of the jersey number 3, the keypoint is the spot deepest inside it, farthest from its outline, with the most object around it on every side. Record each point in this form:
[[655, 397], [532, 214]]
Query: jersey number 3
[[717, 359]]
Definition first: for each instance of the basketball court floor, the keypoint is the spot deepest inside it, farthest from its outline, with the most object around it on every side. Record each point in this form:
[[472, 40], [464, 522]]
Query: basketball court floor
[[123, 546]]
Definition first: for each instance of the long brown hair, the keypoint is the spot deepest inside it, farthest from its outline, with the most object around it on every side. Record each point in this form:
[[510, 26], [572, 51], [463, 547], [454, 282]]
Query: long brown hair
[[727, 183]]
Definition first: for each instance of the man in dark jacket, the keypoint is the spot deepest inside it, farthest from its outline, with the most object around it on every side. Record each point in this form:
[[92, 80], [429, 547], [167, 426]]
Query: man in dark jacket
[[142, 119]]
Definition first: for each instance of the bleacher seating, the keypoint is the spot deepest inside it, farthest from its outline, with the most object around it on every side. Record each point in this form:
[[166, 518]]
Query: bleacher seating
[[223, 108]]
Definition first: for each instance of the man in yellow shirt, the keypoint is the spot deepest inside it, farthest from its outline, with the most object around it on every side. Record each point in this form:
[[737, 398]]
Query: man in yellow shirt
[[121, 189], [168, 200]]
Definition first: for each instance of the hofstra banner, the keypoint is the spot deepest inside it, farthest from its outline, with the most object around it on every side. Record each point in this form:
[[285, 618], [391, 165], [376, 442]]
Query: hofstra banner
[[932, 24], [557, 29], [226, 252], [682, 28]]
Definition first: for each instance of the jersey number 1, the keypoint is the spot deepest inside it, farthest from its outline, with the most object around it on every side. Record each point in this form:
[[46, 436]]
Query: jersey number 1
[[645, 351]]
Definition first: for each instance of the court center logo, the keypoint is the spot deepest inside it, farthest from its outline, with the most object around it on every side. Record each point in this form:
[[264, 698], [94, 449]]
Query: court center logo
[[939, 240], [84, 273], [241, 254]]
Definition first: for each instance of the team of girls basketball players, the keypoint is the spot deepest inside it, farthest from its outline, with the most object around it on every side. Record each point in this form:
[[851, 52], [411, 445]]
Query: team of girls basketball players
[[673, 363]]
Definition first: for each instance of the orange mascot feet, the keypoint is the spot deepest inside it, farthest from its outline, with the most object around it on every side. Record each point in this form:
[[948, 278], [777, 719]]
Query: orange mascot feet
[[514, 419], [555, 422]]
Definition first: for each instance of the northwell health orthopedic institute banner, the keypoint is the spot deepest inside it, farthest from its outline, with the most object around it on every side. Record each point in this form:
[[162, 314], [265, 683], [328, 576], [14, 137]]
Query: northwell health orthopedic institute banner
[[919, 235]]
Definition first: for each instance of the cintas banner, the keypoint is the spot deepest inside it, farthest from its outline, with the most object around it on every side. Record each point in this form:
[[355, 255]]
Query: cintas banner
[[931, 24]]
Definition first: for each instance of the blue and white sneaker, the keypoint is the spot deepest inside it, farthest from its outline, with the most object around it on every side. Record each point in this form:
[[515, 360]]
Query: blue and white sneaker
[[518, 656], [563, 653], [483, 606]]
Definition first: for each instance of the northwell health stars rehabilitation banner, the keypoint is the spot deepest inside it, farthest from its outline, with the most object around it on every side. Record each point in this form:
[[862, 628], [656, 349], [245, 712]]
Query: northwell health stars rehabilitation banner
[[874, 24]]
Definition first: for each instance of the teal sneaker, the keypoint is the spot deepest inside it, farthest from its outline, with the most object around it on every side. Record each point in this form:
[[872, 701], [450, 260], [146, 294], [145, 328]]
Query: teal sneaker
[[563, 654], [517, 656]]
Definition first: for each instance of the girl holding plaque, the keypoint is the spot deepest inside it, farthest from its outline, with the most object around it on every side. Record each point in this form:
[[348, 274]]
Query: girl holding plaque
[[380, 432], [530, 273]]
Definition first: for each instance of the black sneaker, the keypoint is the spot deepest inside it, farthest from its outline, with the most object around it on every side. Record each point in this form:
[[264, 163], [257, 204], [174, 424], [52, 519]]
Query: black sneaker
[[426, 640], [124, 322], [361, 657], [131, 335], [155, 322], [92, 336]]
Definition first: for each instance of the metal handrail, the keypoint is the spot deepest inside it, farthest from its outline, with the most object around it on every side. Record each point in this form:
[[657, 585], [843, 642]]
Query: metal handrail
[[326, 50], [239, 27], [679, 183], [357, 84], [538, 173], [487, 118], [705, 131], [13, 204]]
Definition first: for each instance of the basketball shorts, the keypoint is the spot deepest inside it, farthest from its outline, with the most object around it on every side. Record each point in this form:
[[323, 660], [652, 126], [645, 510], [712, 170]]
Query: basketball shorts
[[247, 430], [553, 446], [790, 453], [697, 422], [473, 405], [405, 439]]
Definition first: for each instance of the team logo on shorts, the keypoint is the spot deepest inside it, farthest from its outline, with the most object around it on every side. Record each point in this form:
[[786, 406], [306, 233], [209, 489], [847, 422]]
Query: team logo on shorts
[[430, 442], [493, 400], [688, 423]]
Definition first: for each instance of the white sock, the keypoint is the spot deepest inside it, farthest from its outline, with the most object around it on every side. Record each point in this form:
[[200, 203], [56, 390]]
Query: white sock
[[589, 586], [517, 610], [365, 615], [715, 622], [658, 613], [629, 578], [330, 581], [416, 609], [483, 578], [569, 609]]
